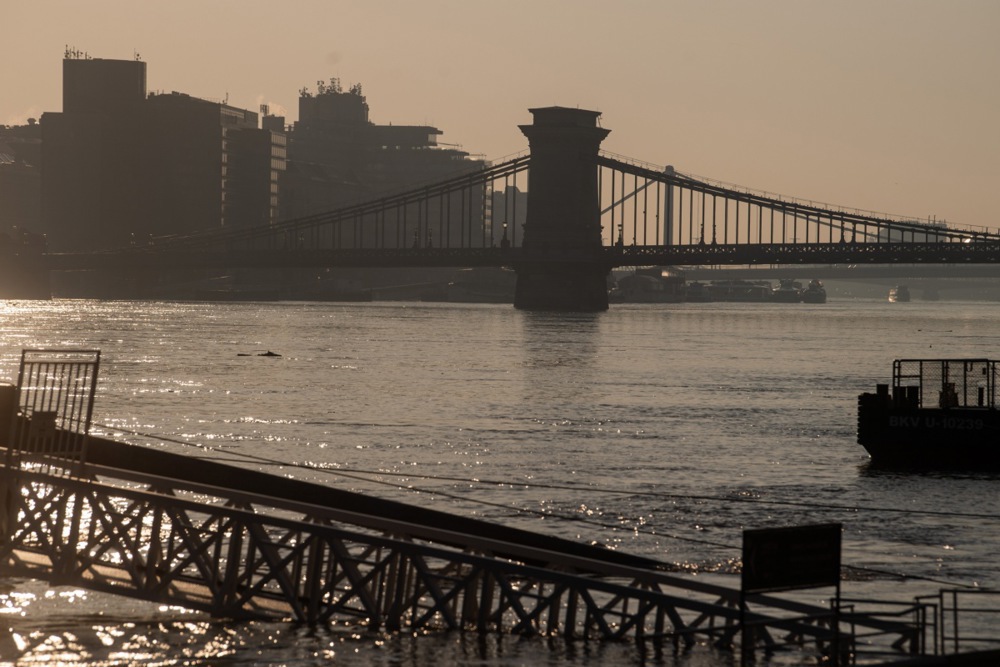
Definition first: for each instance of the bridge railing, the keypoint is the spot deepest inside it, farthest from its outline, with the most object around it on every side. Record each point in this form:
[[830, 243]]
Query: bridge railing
[[828, 254]]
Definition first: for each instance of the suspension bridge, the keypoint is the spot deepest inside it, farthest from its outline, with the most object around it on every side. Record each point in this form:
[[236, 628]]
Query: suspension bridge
[[563, 215]]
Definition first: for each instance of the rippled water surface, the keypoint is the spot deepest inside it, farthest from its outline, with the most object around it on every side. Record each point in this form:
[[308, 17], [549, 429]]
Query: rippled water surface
[[662, 430]]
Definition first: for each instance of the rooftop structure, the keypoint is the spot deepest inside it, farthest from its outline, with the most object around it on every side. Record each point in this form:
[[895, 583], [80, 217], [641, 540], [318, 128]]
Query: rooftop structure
[[338, 155]]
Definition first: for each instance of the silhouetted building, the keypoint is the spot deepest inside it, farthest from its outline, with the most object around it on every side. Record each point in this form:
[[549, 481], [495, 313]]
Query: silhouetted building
[[20, 176], [201, 155], [90, 153], [337, 157], [509, 210], [98, 86], [256, 166], [121, 167]]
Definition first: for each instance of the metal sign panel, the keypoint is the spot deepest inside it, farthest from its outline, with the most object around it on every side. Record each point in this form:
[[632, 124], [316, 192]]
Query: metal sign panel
[[779, 559]]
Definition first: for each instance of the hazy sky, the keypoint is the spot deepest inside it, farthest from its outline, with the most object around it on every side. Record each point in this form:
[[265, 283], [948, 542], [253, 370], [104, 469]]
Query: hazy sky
[[886, 105]]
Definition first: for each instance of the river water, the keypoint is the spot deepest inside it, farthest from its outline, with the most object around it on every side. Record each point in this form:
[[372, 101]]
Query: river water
[[663, 430]]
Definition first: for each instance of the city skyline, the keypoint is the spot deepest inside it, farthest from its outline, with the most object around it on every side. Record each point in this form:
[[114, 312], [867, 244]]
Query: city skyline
[[886, 106]]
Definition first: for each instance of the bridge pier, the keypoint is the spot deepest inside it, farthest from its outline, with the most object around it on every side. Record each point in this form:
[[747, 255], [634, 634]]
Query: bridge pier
[[22, 277], [563, 266]]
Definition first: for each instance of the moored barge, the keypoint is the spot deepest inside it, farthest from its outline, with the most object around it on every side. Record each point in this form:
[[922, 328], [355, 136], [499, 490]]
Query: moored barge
[[936, 414]]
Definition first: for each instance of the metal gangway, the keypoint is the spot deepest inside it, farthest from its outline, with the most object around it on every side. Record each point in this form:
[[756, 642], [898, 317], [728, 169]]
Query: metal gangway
[[236, 543]]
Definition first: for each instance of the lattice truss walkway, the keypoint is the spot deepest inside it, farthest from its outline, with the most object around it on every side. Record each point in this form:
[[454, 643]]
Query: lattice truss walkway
[[241, 544]]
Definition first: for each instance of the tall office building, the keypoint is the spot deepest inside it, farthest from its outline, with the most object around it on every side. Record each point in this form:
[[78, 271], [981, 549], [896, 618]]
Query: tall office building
[[20, 177], [121, 167], [90, 155], [255, 173], [189, 145]]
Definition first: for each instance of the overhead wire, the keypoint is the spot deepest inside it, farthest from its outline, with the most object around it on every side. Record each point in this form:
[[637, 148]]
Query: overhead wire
[[364, 475], [347, 472]]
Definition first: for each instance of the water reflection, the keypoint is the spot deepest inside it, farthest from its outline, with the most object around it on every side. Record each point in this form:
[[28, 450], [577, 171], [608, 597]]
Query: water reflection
[[552, 339], [871, 471], [559, 375], [171, 641], [707, 402]]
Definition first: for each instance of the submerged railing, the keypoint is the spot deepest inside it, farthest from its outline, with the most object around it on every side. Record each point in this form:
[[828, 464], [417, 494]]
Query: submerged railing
[[967, 619], [242, 555]]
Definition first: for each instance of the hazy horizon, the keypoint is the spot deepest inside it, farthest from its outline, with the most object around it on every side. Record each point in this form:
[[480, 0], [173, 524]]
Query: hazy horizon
[[887, 106]]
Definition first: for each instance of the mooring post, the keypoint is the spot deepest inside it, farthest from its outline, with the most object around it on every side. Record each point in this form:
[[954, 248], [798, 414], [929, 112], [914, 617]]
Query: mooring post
[[563, 265]]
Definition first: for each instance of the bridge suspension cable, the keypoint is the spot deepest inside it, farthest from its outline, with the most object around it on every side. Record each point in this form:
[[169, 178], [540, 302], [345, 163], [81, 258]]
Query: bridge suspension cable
[[647, 215], [662, 216], [461, 211]]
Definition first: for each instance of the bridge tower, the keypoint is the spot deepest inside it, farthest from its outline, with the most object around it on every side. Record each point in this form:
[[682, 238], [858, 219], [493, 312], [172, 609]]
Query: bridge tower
[[563, 266]]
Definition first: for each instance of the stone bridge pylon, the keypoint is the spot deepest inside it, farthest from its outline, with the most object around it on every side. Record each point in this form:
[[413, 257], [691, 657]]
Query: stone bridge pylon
[[563, 266]]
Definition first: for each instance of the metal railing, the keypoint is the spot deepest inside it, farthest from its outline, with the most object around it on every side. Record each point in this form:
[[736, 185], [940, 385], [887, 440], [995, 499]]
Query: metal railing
[[52, 407], [948, 383], [966, 619]]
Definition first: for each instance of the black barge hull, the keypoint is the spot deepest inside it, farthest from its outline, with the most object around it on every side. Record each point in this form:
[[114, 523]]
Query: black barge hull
[[903, 437]]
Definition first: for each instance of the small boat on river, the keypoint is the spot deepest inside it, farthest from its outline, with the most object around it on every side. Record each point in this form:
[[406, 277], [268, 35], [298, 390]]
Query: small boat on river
[[787, 291], [899, 294], [697, 292], [814, 292], [937, 414]]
